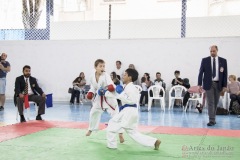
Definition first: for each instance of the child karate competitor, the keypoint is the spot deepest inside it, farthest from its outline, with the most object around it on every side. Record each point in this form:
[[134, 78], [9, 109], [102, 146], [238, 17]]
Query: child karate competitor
[[100, 82], [127, 118]]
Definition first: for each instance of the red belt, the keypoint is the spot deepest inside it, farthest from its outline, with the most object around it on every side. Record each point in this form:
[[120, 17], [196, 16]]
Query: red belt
[[104, 98]]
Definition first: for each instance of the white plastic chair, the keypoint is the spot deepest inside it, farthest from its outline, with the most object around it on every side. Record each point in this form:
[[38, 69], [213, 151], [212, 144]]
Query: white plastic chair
[[140, 90], [197, 97], [156, 89], [226, 100], [178, 94], [27, 110]]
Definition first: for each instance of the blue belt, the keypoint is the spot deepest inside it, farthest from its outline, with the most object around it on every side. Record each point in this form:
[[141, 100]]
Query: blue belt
[[126, 105]]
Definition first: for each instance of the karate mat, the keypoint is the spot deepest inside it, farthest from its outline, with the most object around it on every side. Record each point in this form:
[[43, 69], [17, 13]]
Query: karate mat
[[49, 140]]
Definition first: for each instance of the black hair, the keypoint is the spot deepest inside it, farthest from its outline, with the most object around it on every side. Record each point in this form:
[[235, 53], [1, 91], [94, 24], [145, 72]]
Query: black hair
[[119, 62], [114, 75], [148, 76], [77, 80], [185, 81], [26, 66], [238, 79], [132, 73], [118, 77], [143, 79], [177, 72], [158, 73]]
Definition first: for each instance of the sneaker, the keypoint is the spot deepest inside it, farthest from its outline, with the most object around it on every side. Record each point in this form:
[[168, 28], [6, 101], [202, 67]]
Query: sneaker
[[1, 108], [81, 102]]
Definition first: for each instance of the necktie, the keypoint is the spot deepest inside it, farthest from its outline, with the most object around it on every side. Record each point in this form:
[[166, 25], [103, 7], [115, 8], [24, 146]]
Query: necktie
[[26, 87], [214, 68]]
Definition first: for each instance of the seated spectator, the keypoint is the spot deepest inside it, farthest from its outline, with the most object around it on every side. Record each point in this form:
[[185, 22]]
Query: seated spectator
[[185, 83], [76, 90], [82, 87], [114, 78], [144, 93], [148, 82], [137, 81], [116, 81], [177, 81], [159, 81], [27, 89], [234, 89]]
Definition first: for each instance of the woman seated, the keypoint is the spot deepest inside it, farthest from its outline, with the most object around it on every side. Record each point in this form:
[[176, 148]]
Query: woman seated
[[82, 87], [114, 78], [234, 89], [116, 81], [76, 90]]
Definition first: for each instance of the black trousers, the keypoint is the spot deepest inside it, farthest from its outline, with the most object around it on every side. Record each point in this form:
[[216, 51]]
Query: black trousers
[[144, 94], [185, 98], [75, 94], [233, 98], [34, 98]]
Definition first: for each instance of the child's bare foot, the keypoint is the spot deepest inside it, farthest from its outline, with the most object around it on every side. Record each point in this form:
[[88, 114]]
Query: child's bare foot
[[121, 138], [157, 144], [88, 133]]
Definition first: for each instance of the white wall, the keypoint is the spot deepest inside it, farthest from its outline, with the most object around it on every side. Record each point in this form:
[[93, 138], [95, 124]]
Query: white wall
[[228, 26], [144, 9], [57, 63]]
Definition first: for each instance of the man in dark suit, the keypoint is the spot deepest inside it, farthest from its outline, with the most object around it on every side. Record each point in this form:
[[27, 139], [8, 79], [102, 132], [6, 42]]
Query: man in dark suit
[[213, 77], [27, 85]]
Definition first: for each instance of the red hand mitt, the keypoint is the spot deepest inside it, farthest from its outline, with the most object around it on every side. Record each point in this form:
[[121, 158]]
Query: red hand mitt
[[111, 88], [90, 95]]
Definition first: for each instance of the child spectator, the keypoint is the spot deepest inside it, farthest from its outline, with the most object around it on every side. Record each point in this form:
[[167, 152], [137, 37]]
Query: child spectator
[[144, 93]]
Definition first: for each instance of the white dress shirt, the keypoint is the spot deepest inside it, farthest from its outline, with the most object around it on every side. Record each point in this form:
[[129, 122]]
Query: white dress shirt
[[119, 72], [30, 92]]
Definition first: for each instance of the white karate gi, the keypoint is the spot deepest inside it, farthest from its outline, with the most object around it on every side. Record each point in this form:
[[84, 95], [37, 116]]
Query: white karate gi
[[97, 109], [127, 119]]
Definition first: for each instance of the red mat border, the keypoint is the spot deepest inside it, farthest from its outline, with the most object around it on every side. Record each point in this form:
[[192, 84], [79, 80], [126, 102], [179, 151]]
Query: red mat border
[[21, 129]]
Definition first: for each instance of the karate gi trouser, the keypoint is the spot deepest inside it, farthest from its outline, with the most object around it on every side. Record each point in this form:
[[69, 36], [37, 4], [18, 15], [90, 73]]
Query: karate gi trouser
[[115, 125]]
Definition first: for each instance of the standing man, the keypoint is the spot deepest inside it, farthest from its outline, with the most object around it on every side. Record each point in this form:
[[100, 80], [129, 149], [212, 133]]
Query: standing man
[[26, 85], [4, 68], [213, 77], [119, 71]]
